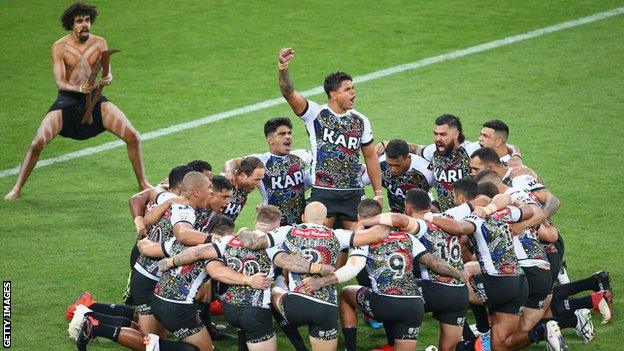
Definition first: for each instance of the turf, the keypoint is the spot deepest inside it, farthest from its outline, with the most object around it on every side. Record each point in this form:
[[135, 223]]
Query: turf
[[71, 229]]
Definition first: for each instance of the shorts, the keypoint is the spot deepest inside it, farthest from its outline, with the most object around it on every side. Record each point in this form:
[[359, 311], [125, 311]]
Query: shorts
[[74, 106], [448, 304], [506, 294], [256, 322], [341, 203], [403, 314], [142, 290], [554, 258], [183, 320], [540, 286], [321, 318]]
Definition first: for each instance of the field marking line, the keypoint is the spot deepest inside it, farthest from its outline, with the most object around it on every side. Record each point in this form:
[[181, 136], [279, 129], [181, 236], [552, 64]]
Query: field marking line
[[319, 89]]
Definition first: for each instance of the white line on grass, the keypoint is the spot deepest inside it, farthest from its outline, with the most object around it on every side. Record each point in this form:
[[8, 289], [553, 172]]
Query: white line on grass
[[317, 90]]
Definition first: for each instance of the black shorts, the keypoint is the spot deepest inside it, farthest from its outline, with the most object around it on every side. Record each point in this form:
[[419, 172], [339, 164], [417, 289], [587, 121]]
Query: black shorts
[[256, 322], [142, 290], [321, 318], [448, 304], [341, 203], [540, 286], [183, 320], [74, 106], [554, 258], [403, 314], [506, 294]]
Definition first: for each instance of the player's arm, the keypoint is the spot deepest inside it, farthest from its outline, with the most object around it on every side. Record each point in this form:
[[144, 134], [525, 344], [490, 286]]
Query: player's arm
[[370, 235], [442, 267], [373, 169], [188, 256], [298, 264], [450, 225], [396, 220], [252, 240], [354, 264], [150, 248], [498, 202], [219, 271], [551, 202], [137, 203], [298, 103], [188, 236], [516, 156]]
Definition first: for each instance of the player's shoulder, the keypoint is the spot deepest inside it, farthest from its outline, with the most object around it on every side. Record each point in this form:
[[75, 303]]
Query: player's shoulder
[[471, 146], [359, 114], [419, 162]]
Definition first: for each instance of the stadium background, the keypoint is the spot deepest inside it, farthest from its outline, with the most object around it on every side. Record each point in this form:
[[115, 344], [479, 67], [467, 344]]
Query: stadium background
[[71, 230]]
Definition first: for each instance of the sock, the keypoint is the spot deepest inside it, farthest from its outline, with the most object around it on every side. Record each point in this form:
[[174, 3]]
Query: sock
[[560, 307], [114, 310], [467, 332], [538, 332], [291, 332], [389, 334], [563, 291], [350, 337], [481, 317], [169, 345], [113, 321], [465, 345], [242, 341], [566, 320], [106, 331], [581, 302]]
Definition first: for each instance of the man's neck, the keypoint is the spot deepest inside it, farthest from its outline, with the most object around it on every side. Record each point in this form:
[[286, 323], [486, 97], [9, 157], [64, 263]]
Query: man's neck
[[501, 150], [333, 105]]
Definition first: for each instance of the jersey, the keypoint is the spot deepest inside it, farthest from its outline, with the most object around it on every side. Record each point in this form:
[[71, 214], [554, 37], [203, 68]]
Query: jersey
[[389, 264], [285, 181], [238, 201], [530, 251], [444, 246], [317, 244], [447, 169], [248, 262], [336, 140], [419, 175], [492, 241]]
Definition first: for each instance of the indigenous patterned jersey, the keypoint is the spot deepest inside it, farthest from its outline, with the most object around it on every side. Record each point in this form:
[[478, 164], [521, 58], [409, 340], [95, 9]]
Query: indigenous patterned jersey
[[316, 243], [529, 249], [286, 179], [447, 169], [180, 284], [247, 262], [492, 241], [443, 245], [336, 141], [389, 264], [238, 201], [417, 176]]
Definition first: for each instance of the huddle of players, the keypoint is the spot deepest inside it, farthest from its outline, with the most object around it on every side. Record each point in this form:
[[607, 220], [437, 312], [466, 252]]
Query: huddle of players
[[508, 232]]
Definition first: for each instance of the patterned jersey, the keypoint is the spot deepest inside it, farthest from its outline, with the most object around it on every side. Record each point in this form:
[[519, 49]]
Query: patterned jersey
[[389, 264], [247, 262], [492, 241], [336, 141], [238, 201], [417, 176], [530, 250], [447, 169], [286, 179], [444, 246], [316, 243]]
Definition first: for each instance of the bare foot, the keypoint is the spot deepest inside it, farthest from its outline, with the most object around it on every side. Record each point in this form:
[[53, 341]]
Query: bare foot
[[12, 195]]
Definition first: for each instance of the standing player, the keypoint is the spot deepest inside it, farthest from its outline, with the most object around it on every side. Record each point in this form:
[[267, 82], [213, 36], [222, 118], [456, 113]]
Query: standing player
[[337, 134], [246, 177], [74, 57], [286, 173]]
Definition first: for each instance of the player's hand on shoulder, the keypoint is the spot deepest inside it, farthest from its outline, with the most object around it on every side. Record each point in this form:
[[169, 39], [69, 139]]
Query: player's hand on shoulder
[[480, 211], [260, 281]]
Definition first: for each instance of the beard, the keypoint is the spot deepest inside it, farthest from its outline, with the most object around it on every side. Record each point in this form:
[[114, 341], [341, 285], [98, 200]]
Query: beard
[[445, 149]]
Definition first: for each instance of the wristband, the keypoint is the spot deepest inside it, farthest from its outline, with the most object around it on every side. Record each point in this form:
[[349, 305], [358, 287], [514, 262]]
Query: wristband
[[315, 268], [171, 262], [490, 208], [282, 66], [411, 227], [80, 88], [385, 219], [428, 217], [139, 223]]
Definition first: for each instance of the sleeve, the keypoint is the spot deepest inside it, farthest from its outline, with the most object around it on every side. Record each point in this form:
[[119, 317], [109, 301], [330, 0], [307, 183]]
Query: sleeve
[[459, 212], [520, 195], [367, 134], [471, 147], [527, 182], [515, 214], [345, 238], [310, 112], [423, 166], [271, 252], [307, 158], [278, 236], [475, 220], [359, 251], [427, 152], [163, 196], [422, 228], [221, 244], [417, 248], [182, 213]]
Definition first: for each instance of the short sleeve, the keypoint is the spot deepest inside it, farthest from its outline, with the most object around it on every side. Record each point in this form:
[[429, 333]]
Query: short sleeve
[[471, 147], [311, 112], [344, 237], [459, 212], [359, 251], [423, 166], [427, 152], [182, 213], [417, 248], [527, 182], [278, 236], [163, 196], [367, 134]]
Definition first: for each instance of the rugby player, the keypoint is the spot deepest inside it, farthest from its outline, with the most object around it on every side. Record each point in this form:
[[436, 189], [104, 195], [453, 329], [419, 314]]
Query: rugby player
[[246, 177]]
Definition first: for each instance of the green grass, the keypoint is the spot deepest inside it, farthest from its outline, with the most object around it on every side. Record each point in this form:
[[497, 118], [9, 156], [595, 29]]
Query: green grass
[[71, 230]]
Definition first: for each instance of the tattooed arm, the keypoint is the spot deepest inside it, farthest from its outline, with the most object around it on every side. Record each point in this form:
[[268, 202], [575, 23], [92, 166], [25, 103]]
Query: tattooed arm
[[253, 241], [298, 264], [297, 102], [439, 266], [190, 255]]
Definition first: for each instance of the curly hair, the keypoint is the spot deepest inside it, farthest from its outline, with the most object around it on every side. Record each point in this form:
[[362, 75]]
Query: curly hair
[[77, 9]]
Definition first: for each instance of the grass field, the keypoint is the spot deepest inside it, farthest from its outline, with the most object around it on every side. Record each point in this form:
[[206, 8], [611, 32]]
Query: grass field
[[71, 230]]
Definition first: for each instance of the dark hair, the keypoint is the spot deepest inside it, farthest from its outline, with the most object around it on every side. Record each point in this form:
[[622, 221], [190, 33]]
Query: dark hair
[[488, 189], [333, 80], [487, 175], [467, 187], [200, 166], [451, 121], [220, 183], [498, 126], [220, 225], [271, 125], [177, 174], [249, 164], [418, 199], [487, 155], [77, 9], [268, 214], [368, 208], [397, 148]]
